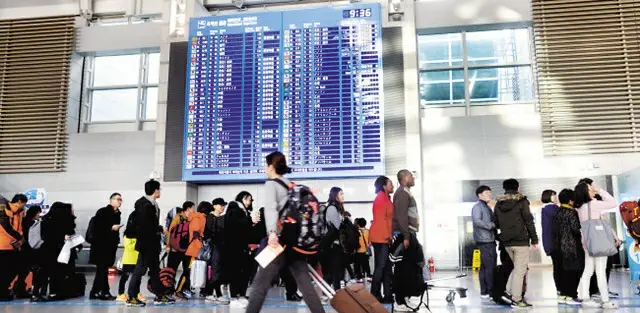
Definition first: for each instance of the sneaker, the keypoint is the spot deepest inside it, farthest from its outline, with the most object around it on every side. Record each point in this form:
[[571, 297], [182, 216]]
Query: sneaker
[[614, 295], [521, 305], [573, 302], [225, 301], [135, 302], [142, 298], [402, 308], [591, 304], [180, 295], [211, 299], [294, 297], [238, 304], [164, 300], [107, 297], [188, 294], [123, 298], [485, 297], [507, 298], [325, 300], [609, 305], [37, 299], [596, 295], [562, 299]]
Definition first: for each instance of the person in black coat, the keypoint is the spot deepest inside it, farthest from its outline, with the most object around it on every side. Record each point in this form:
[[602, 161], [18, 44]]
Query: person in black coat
[[237, 228], [28, 256], [148, 244], [58, 225], [105, 240]]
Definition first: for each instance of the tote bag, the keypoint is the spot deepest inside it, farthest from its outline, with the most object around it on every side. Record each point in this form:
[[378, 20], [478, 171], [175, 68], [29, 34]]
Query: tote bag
[[598, 237]]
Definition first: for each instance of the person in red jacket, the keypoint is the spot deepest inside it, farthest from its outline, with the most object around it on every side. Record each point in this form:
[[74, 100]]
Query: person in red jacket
[[11, 240], [380, 237]]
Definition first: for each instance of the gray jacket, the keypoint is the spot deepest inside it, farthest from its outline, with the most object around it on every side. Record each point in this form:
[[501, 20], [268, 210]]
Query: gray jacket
[[484, 226]]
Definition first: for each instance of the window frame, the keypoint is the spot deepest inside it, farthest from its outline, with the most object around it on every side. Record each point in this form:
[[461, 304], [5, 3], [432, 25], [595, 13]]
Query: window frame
[[466, 68], [142, 87]]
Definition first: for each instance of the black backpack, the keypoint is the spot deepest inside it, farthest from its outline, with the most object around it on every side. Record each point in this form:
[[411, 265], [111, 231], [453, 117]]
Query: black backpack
[[131, 230], [349, 237], [90, 230], [301, 219]]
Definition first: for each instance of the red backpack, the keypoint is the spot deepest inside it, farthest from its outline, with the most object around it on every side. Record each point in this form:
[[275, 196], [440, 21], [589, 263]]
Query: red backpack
[[630, 212], [179, 236]]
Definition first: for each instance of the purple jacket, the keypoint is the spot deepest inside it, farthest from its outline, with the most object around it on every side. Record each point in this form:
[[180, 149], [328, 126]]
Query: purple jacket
[[547, 226]]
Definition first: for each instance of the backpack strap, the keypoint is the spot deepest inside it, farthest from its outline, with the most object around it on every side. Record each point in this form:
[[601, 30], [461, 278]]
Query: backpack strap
[[281, 183]]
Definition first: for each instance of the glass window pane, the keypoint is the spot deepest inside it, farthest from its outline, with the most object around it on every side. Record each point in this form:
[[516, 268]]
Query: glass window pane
[[116, 70], [151, 107], [501, 85], [499, 46], [154, 68], [436, 50], [114, 105], [441, 87]]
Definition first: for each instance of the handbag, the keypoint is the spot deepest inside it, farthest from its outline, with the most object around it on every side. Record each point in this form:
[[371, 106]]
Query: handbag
[[205, 251], [198, 275], [598, 236]]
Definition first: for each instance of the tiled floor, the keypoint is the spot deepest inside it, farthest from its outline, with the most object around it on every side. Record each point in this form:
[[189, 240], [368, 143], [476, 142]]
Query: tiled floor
[[541, 294]]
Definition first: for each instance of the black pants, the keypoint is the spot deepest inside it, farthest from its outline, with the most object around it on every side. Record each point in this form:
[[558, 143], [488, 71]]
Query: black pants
[[567, 280], [127, 270], [147, 261], [288, 280], [101, 281], [24, 266], [238, 272], [8, 273], [336, 265], [556, 260], [382, 272], [593, 285], [175, 258], [488, 259], [362, 267]]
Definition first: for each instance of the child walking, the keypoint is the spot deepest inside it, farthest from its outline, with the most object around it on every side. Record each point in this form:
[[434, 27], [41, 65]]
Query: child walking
[[129, 260]]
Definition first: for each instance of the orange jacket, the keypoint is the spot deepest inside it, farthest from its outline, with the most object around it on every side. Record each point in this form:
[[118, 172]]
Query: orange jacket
[[197, 222], [380, 231], [10, 218]]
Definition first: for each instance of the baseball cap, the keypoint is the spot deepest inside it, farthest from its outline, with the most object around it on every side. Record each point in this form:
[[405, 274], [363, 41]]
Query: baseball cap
[[219, 201]]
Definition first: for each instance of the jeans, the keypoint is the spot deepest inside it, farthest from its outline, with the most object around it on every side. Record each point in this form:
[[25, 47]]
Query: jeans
[[151, 262], [599, 265], [300, 272], [174, 260], [101, 281], [382, 272], [488, 256], [520, 258]]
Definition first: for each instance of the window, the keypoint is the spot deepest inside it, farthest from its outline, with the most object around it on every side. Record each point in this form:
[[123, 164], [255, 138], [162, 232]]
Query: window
[[476, 67], [123, 88]]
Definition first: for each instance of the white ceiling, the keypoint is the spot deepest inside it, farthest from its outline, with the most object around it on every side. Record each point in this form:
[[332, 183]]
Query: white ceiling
[[32, 3]]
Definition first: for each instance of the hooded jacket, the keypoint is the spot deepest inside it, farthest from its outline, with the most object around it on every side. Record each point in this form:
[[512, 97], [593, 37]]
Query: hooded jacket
[[514, 220]]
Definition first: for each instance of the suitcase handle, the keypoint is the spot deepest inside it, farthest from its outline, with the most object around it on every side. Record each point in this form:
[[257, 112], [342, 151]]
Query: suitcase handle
[[326, 289]]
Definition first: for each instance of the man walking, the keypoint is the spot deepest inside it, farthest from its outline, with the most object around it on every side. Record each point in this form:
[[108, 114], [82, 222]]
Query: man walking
[[148, 232], [514, 220], [484, 230]]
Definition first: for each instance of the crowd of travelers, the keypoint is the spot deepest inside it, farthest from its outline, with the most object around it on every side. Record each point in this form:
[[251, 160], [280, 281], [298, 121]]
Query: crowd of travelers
[[223, 236]]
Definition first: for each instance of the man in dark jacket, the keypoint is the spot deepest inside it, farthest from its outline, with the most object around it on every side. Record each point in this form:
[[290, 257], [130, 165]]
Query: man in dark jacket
[[105, 240], [514, 220], [484, 230], [148, 232]]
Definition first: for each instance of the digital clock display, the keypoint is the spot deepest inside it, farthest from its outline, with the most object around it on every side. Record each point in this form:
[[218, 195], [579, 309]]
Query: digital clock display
[[355, 13]]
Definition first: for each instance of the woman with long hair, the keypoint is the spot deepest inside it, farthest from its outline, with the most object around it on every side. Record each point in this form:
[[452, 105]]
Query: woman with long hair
[[336, 261], [590, 208], [380, 237], [58, 225], [276, 196], [549, 208], [235, 255]]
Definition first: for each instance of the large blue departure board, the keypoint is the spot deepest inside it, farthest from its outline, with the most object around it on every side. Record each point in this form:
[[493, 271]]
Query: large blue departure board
[[304, 82]]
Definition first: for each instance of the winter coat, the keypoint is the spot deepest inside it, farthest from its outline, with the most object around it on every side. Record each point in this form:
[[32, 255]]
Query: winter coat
[[197, 223], [148, 229], [105, 240], [484, 228], [514, 220], [381, 227], [567, 238], [548, 211]]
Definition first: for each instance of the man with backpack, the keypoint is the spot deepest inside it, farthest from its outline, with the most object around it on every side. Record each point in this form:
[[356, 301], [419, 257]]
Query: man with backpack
[[11, 240], [148, 235], [104, 238]]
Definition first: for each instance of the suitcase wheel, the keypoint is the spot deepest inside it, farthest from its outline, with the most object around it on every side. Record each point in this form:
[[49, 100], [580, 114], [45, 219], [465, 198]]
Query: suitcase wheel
[[451, 297]]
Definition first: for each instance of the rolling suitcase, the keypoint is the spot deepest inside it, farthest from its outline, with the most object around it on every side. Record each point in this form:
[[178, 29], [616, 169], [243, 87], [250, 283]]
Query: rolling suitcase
[[352, 299]]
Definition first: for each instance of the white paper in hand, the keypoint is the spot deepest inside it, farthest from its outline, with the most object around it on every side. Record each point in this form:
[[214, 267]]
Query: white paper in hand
[[268, 254]]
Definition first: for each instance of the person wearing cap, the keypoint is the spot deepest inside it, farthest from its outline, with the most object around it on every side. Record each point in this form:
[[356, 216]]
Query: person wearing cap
[[213, 228]]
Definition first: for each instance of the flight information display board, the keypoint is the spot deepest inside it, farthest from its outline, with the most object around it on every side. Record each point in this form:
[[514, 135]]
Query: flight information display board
[[304, 82]]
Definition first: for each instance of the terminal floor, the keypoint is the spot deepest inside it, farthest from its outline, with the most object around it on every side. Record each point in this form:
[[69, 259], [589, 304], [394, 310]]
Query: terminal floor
[[541, 294]]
